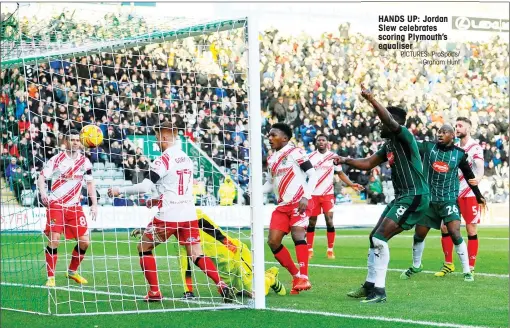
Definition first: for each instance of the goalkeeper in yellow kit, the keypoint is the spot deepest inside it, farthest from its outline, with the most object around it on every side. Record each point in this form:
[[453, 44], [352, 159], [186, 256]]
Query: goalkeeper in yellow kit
[[231, 256]]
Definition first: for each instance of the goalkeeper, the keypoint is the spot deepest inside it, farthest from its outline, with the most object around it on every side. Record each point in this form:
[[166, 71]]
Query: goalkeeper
[[231, 256]]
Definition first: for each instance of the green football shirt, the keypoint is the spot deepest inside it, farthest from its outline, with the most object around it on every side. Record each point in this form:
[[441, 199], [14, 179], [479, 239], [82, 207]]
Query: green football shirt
[[440, 167], [401, 152]]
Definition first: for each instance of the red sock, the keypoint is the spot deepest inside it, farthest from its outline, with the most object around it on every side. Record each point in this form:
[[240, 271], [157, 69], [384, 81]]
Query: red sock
[[331, 237], [310, 235], [282, 255], [472, 249], [302, 256], [51, 260], [189, 285], [207, 265], [78, 255], [148, 265], [189, 281], [447, 243]]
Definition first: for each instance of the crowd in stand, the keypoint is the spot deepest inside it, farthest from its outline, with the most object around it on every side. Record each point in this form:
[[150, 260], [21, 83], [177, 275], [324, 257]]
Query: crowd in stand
[[200, 84]]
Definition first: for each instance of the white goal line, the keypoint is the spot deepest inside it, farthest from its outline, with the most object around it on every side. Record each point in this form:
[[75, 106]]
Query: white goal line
[[215, 306]]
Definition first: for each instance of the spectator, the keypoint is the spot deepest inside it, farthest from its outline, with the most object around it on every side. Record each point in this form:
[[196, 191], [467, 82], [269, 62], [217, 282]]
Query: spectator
[[227, 192], [20, 182], [386, 172], [307, 132], [375, 191], [11, 169], [137, 175], [129, 166], [115, 154], [306, 81], [490, 170]]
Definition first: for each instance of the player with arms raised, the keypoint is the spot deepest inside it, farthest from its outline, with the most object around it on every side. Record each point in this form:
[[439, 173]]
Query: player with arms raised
[[289, 168], [441, 163], [172, 175], [411, 194], [468, 204], [323, 196], [64, 213]]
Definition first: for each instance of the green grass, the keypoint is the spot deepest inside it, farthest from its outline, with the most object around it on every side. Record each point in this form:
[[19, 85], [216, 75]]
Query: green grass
[[118, 279]]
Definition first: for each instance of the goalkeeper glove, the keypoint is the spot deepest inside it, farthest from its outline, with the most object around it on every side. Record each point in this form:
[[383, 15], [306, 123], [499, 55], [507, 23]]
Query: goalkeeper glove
[[136, 232]]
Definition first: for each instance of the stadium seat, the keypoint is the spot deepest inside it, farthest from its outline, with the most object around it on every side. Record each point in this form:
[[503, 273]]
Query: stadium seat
[[110, 165], [103, 191], [97, 174], [98, 166], [108, 183], [109, 174], [118, 175]]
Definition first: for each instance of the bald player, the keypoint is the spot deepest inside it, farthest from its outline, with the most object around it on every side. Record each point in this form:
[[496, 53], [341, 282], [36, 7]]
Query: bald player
[[172, 175], [441, 163]]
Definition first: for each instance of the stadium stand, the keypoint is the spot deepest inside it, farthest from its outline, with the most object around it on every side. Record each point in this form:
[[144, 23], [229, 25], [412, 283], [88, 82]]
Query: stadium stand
[[309, 83]]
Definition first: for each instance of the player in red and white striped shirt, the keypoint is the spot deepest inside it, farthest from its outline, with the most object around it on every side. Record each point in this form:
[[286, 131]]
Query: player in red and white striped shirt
[[468, 205], [64, 213], [289, 168], [172, 175], [323, 196]]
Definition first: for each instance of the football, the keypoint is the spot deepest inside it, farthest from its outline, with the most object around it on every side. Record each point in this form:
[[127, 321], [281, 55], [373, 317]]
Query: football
[[91, 136]]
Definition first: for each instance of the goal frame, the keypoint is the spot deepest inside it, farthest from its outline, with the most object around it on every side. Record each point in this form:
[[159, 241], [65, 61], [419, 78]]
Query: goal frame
[[20, 57]]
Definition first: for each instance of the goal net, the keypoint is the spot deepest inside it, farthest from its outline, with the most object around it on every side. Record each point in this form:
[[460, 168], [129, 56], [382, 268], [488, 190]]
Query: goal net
[[67, 68]]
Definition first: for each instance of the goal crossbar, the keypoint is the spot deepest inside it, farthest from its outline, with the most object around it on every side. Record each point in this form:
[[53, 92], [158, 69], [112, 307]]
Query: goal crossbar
[[19, 57]]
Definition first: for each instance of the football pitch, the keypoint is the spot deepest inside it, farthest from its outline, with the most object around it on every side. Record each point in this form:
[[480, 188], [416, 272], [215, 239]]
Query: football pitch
[[118, 284]]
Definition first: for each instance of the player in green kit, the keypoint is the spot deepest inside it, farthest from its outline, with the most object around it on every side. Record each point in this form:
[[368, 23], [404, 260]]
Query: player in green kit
[[441, 163], [411, 194]]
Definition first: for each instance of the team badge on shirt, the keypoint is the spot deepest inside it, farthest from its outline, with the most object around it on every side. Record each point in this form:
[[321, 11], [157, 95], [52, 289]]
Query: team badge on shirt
[[440, 167]]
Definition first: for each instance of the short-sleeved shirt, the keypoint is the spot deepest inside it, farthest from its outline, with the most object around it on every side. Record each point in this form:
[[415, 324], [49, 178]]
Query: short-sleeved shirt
[[287, 177], [325, 168], [67, 175], [175, 186], [441, 167], [473, 151], [401, 152]]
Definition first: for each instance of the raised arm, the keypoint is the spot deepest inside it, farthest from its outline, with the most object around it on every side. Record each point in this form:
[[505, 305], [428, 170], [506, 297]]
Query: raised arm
[[140, 188], [156, 172], [382, 112], [364, 164]]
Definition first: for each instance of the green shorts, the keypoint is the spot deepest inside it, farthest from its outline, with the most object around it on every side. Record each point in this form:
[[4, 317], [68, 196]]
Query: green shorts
[[445, 211], [407, 211]]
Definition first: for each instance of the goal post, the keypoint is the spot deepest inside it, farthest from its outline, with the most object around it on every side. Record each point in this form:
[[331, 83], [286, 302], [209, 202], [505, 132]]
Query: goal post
[[206, 50], [256, 161]]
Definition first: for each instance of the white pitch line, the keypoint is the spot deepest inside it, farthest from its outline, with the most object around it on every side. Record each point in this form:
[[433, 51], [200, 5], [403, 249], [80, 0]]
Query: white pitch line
[[338, 237], [327, 266], [331, 266], [386, 319], [139, 297]]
